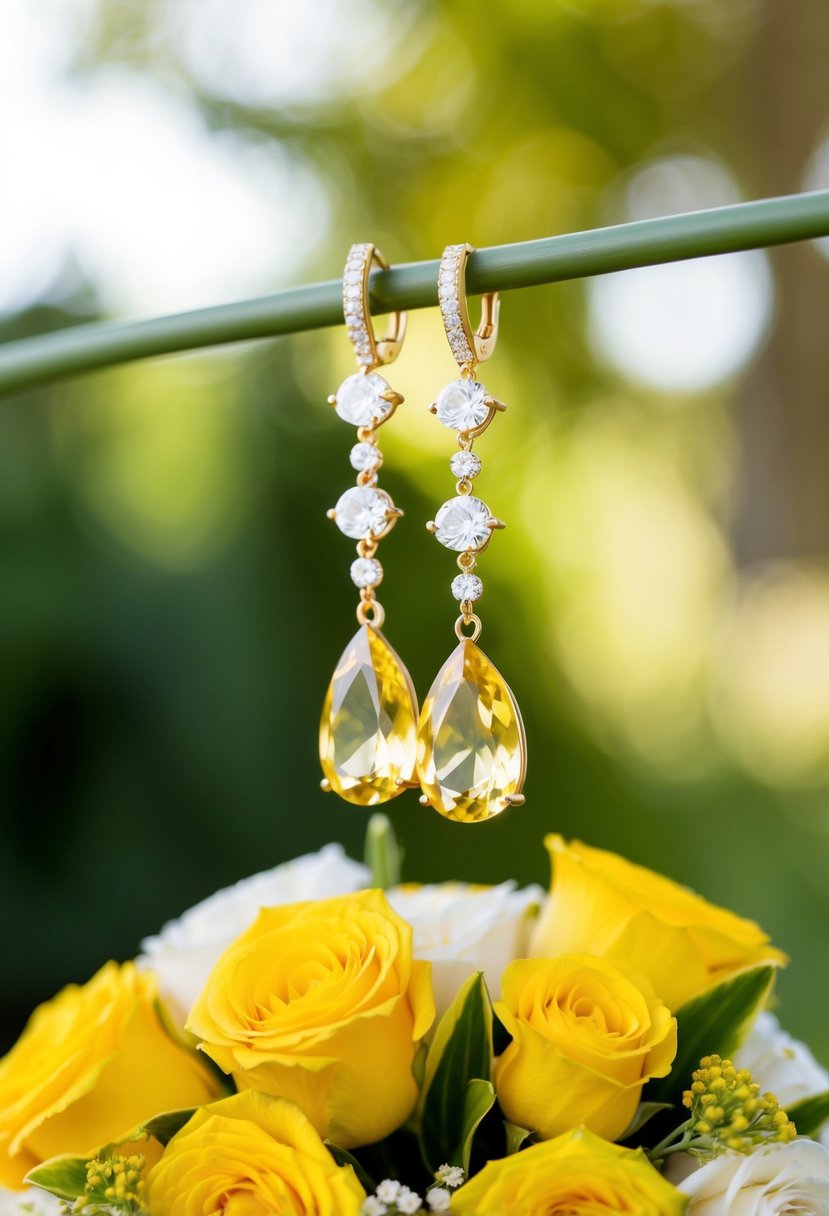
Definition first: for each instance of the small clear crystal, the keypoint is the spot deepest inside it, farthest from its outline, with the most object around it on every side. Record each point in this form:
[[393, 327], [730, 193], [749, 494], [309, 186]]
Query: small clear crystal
[[465, 465], [366, 572], [362, 511], [462, 523], [359, 399], [365, 456], [462, 405], [467, 587]]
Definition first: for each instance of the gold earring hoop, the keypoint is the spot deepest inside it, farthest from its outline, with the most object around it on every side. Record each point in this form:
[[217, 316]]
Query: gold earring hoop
[[471, 747], [370, 350], [469, 347], [367, 738]]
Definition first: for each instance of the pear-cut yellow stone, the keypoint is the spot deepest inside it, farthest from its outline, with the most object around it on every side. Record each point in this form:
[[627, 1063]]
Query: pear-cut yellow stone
[[368, 726], [471, 751]]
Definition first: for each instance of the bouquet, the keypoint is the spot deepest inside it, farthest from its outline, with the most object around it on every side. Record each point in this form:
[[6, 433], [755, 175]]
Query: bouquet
[[322, 1040]]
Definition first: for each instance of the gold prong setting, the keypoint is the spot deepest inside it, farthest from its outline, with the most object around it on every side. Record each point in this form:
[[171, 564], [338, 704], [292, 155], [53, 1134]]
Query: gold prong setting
[[464, 405], [365, 400], [364, 512], [464, 524]]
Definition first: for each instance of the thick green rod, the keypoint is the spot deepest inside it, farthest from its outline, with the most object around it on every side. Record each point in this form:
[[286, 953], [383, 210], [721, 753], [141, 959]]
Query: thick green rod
[[774, 221]]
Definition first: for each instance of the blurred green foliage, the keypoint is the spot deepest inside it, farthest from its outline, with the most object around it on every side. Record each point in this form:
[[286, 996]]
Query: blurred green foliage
[[174, 600]]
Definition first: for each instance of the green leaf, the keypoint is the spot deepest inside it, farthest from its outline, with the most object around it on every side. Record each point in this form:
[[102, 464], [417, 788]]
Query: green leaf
[[809, 1114], [343, 1157], [62, 1176], [460, 1052], [163, 1127], [715, 1022], [516, 1136], [382, 852], [478, 1101], [66, 1176], [644, 1112], [419, 1065]]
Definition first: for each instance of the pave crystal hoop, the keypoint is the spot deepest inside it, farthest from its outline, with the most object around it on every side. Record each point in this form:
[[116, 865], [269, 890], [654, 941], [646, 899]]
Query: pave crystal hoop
[[468, 347], [367, 730], [471, 748], [370, 351]]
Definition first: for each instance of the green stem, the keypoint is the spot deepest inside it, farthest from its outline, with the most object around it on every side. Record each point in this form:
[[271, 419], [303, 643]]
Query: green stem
[[670, 1143], [382, 852], [671, 1148], [83, 348]]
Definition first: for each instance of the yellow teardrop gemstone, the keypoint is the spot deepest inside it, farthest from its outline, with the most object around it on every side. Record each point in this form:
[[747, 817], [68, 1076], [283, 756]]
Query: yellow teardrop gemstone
[[368, 725], [471, 751]]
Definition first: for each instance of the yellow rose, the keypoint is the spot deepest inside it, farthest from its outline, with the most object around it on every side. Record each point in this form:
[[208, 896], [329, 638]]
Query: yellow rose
[[92, 1064], [575, 1175], [584, 1042], [644, 923], [251, 1155], [322, 1003]]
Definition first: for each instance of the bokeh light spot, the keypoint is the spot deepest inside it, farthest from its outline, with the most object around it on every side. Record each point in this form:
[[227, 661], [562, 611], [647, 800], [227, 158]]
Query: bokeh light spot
[[684, 327]]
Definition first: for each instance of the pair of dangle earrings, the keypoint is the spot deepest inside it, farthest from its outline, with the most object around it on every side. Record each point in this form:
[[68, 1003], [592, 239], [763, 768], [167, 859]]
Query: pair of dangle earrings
[[466, 748]]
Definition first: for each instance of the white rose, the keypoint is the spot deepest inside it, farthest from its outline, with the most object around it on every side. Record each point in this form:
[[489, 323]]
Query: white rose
[[461, 929], [781, 1064], [780, 1180], [30, 1202], [183, 954]]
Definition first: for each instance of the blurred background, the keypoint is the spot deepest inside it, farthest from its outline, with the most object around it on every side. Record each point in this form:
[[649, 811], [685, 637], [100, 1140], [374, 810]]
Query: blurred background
[[173, 598]]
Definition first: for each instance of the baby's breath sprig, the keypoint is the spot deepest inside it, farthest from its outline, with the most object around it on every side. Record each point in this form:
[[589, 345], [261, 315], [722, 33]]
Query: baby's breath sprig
[[728, 1113], [392, 1198], [114, 1185], [447, 1179]]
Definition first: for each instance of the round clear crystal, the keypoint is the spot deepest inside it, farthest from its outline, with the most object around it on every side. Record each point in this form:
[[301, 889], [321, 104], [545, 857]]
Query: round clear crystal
[[467, 587], [366, 572], [359, 399], [365, 456], [361, 511], [462, 405], [463, 523], [465, 465]]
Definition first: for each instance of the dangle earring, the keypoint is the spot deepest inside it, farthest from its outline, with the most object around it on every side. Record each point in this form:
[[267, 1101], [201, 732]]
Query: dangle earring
[[368, 727], [471, 749]]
